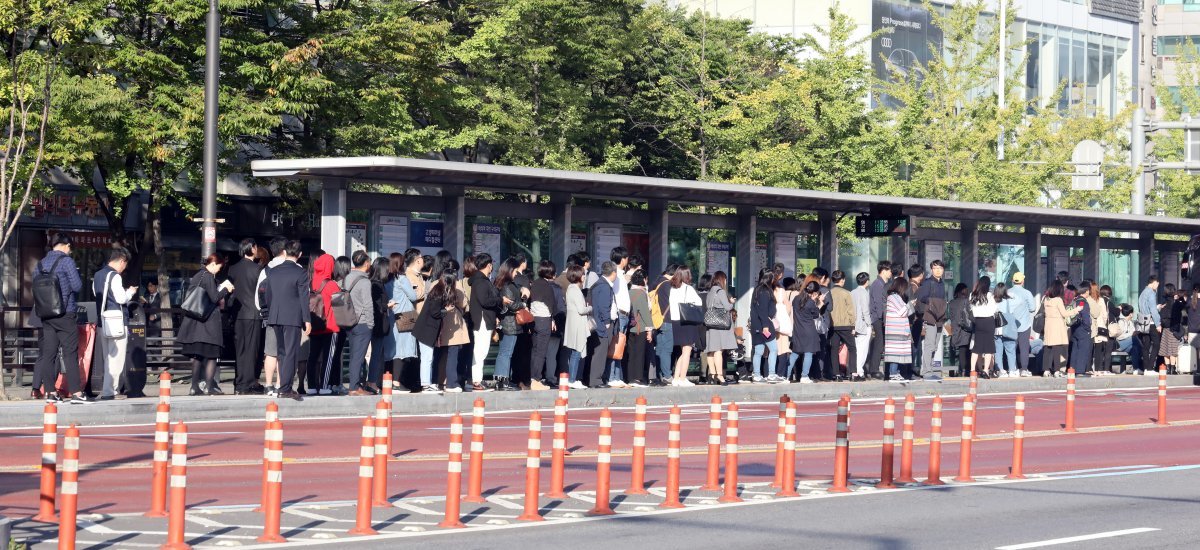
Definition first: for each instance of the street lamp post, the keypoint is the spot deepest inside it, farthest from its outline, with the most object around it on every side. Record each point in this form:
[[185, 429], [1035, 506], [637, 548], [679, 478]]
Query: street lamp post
[[212, 63]]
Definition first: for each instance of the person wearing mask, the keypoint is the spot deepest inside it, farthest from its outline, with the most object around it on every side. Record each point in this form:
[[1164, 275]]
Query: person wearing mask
[[485, 305], [544, 307], [383, 344], [576, 333], [323, 346], [898, 331], [763, 331], [1149, 325], [718, 340], [202, 339], [1022, 308], [288, 318], [983, 310], [248, 323], [806, 339], [112, 295], [878, 294], [861, 295], [960, 325], [686, 335], [1172, 314], [1006, 336], [664, 339], [60, 334], [604, 315], [931, 308], [842, 317], [454, 331], [358, 337], [511, 299], [1055, 337]]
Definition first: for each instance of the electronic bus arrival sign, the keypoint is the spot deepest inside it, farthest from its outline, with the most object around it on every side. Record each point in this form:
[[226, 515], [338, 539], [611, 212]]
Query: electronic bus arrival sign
[[881, 226]]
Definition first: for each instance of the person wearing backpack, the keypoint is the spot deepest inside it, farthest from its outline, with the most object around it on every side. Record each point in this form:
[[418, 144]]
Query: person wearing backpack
[[358, 337], [56, 284], [203, 339], [322, 353], [112, 295]]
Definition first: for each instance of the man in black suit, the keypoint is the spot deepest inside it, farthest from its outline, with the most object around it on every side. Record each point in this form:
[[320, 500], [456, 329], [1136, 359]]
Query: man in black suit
[[604, 313], [287, 313], [247, 327]]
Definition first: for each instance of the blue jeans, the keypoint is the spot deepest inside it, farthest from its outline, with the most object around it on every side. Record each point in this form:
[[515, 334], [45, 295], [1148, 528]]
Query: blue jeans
[[663, 346], [508, 344], [573, 358], [1009, 348], [772, 356], [358, 339], [1133, 347], [615, 372], [893, 369], [791, 364], [426, 364], [455, 371]]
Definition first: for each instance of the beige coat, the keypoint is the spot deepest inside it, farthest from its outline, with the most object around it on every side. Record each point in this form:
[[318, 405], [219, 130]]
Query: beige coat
[[1099, 317], [454, 329], [1056, 322]]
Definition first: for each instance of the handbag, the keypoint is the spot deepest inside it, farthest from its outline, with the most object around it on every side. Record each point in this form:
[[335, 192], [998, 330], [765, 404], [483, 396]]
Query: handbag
[[524, 316], [113, 320], [616, 348], [717, 319], [406, 321], [691, 314], [1001, 322], [196, 304]]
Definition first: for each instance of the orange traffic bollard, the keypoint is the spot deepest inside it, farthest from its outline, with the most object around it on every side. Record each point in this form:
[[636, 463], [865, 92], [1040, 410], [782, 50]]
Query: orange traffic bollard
[[272, 506], [906, 445], [603, 467], [731, 456], [672, 496], [564, 393], [475, 476], [49, 464], [935, 444], [974, 382], [366, 471], [558, 452], [779, 442], [968, 432], [788, 486], [1018, 441], [1162, 397], [386, 394], [841, 453], [1069, 426], [272, 416], [533, 467], [178, 506], [454, 475], [712, 477], [889, 446], [637, 482], [379, 495], [70, 489], [164, 388], [158, 483]]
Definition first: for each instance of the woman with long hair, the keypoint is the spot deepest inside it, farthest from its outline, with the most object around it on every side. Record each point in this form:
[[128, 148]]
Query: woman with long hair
[[544, 307], [383, 344], [510, 294], [641, 329], [203, 339], [718, 341], [785, 293], [983, 309], [763, 332], [958, 312], [1173, 326], [1054, 338], [897, 331], [403, 296], [1006, 336], [686, 335], [576, 333], [806, 339], [454, 333]]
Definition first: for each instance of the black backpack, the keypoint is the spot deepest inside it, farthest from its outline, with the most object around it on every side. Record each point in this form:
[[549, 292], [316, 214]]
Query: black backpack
[[47, 293], [1039, 319], [965, 321]]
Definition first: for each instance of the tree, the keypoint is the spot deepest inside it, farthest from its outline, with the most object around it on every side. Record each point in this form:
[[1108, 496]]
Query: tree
[[34, 33], [1177, 193]]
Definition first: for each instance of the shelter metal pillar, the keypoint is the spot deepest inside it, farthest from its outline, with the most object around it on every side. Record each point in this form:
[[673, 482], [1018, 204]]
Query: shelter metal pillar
[[1091, 255], [746, 274], [560, 228], [968, 267], [1145, 258], [333, 218], [1035, 275], [660, 242], [827, 233], [454, 225]]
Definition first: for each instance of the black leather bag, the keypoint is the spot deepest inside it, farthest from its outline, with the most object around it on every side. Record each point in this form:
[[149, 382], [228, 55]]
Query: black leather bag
[[47, 294], [691, 314], [197, 305]]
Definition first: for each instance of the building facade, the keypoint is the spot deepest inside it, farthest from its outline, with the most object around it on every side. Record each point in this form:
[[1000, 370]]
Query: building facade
[[1168, 26]]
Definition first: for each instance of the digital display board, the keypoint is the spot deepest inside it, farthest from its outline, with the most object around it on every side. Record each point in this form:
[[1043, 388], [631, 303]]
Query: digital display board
[[880, 226]]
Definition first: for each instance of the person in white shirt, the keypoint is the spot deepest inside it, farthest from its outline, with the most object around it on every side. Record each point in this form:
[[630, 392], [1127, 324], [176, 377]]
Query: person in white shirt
[[983, 309], [113, 295], [687, 335], [620, 257]]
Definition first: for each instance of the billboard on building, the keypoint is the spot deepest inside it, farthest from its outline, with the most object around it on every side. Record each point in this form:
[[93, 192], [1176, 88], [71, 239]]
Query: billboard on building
[[905, 45]]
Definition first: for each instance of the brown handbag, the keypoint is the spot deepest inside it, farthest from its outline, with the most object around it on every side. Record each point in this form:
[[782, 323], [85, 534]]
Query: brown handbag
[[524, 316], [406, 321], [616, 348]]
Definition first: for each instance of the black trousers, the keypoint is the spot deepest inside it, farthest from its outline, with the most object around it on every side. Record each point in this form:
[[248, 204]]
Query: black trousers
[[964, 361], [248, 348], [876, 355], [324, 361], [1102, 355], [1054, 358], [597, 358], [289, 354], [539, 367], [837, 337], [59, 335], [1150, 341], [635, 357]]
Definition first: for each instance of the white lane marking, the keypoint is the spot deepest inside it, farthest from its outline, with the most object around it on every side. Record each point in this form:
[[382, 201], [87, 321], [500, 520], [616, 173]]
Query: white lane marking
[[204, 521], [146, 435], [308, 515], [501, 502], [415, 509], [1080, 538]]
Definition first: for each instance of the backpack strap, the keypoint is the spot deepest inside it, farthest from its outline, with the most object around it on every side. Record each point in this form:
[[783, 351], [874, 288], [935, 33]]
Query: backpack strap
[[53, 266]]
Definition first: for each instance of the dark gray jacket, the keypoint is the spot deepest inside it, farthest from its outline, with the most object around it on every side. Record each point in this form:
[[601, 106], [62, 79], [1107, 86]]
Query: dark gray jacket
[[359, 286], [878, 300]]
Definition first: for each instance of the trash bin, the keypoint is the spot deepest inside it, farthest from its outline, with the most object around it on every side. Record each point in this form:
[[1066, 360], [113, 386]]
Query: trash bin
[[134, 384]]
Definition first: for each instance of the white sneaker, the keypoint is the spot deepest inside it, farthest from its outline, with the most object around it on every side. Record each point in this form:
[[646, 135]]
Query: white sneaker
[[432, 388], [682, 383], [325, 391], [805, 380], [618, 384], [1151, 373], [454, 389], [1026, 374], [757, 379], [577, 385], [311, 391]]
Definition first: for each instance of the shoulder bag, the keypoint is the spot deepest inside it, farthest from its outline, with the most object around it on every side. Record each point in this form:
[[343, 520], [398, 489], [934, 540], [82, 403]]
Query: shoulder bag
[[689, 313], [113, 320], [196, 304]]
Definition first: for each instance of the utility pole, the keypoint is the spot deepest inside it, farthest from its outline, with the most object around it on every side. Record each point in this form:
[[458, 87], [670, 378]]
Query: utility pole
[[212, 66], [1000, 86], [1147, 166]]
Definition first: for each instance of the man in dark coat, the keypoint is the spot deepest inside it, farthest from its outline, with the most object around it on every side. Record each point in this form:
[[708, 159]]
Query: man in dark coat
[[287, 314], [247, 327]]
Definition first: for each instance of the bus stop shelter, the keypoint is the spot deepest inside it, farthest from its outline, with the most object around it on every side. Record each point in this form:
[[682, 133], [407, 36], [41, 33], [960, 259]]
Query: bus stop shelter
[[1153, 244]]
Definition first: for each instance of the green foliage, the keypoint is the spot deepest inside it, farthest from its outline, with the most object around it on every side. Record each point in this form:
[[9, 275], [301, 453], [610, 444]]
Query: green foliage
[[1177, 193]]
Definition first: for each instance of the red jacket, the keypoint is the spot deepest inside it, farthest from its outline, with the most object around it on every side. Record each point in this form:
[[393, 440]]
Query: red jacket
[[322, 273]]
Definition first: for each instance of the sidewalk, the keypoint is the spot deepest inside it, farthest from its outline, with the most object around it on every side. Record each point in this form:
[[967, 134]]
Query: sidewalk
[[28, 414]]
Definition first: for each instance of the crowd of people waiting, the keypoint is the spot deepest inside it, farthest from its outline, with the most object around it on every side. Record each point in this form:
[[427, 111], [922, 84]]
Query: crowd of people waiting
[[614, 325]]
